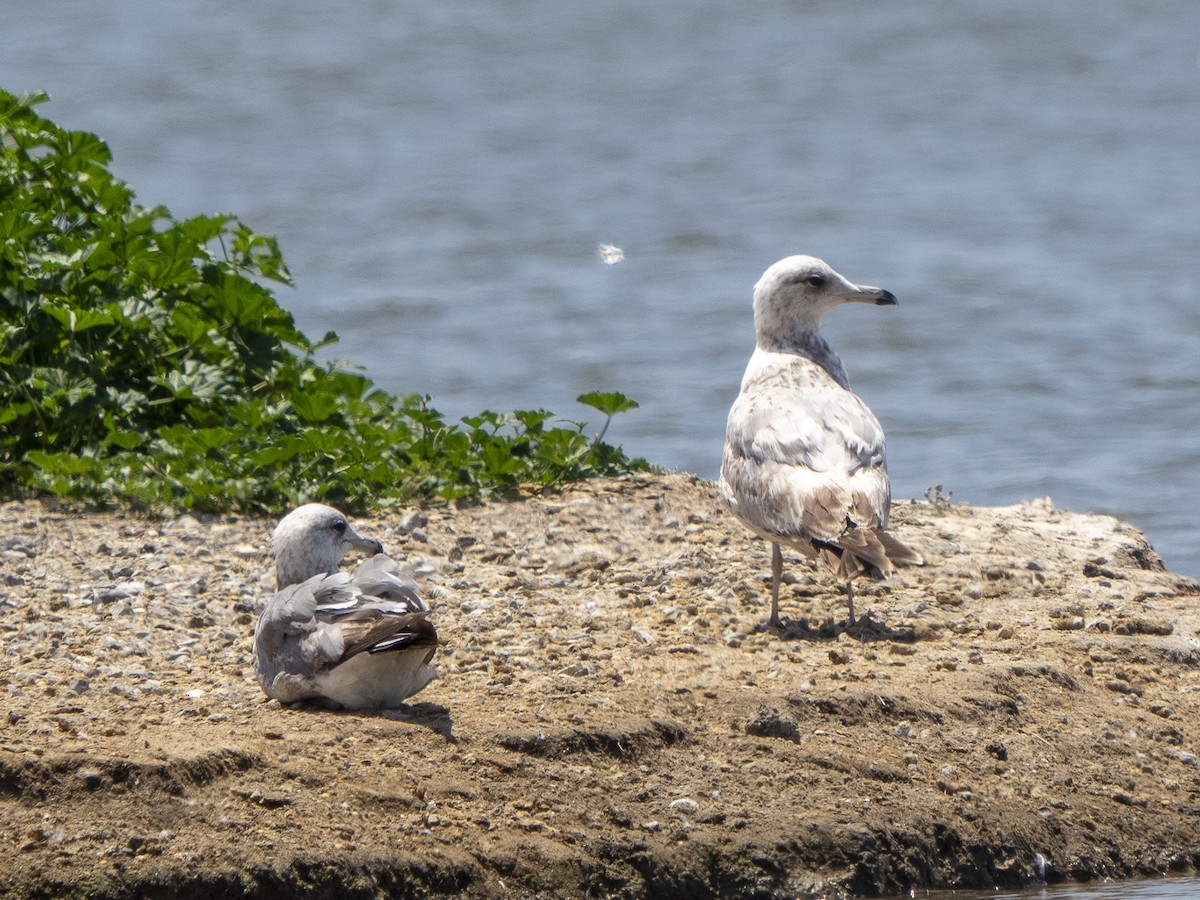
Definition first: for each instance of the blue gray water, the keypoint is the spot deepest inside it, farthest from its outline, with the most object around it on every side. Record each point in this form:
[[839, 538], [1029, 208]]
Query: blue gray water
[[1173, 888], [1024, 176]]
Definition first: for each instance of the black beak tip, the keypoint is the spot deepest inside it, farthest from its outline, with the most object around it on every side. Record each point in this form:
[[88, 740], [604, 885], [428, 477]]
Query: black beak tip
[[887, 298]]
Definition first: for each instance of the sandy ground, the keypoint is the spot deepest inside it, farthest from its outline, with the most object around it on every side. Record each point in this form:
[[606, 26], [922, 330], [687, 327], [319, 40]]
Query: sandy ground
[[611, 719]]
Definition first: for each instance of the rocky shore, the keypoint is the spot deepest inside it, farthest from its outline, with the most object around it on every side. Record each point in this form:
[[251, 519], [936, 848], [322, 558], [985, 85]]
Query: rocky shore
[[611, 717]]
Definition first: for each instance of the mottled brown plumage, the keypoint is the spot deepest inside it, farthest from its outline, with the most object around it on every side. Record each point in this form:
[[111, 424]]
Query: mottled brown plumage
[[804, 463]]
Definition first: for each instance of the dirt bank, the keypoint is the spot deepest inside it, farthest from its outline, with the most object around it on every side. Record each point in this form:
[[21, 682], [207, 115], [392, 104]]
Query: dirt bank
[[611, 719]]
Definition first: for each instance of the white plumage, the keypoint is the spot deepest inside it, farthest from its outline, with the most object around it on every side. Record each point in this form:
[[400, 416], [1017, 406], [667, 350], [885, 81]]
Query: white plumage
[[804, 462], [356, 641]]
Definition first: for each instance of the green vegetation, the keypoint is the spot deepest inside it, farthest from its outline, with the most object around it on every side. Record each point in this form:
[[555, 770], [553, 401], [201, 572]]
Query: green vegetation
[[144, 361]]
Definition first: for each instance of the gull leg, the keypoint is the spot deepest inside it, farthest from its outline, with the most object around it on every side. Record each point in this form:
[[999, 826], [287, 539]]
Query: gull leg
[[776, 575], [850, 602]]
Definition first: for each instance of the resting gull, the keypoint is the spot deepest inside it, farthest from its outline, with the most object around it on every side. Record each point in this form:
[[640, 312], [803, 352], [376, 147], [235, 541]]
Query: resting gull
[[355, 641], [804, 461]]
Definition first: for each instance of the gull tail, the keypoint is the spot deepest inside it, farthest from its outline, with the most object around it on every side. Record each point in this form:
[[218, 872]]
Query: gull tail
[[866, 551], [898, 553]]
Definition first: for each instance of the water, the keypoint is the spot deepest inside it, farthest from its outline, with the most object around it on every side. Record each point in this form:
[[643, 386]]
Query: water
[[1173, 888], [1023, 176]]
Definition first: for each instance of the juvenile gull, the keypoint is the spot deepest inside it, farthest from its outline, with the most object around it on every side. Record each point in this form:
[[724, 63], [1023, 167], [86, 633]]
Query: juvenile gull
[[355, 641], [804, 460]]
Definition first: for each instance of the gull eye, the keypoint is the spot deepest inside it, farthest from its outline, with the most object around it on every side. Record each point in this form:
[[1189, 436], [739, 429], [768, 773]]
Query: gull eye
[[815, 280], [340, 526]]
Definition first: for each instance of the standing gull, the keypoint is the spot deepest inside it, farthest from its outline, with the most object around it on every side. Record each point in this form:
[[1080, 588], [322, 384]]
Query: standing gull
[[355, 641], [804, 460]]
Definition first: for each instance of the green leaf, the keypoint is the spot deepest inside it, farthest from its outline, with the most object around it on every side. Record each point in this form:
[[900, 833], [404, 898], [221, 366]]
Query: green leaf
[[194, 381], [325, 443], [314, 407], [275, 454], [14, 411], [533, 419], [81, 149], [76, 320], [202, 229], [126, 440], [170, 262], [61, 463], [197, 440], [608, 402]]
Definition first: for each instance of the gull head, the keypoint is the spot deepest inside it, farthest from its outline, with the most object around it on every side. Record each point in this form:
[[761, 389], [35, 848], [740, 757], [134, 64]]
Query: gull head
[[794, 293], [311, 540]]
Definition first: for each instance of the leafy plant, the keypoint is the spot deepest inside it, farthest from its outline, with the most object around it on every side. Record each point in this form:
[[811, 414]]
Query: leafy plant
[[608, 402], [144, 360], [940, 501]]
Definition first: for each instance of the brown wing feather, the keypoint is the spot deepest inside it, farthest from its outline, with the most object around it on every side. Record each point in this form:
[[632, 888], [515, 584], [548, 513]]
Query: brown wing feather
[[900, 553], [823, 512], [865, 551], [365, 629]]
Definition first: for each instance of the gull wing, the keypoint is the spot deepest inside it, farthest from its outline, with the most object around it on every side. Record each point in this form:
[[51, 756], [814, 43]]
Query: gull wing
[[382, 577], [804, 457]]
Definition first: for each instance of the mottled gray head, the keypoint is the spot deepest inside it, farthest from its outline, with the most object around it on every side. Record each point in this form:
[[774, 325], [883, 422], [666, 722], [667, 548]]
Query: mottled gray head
[[311, 540], [794, 293]]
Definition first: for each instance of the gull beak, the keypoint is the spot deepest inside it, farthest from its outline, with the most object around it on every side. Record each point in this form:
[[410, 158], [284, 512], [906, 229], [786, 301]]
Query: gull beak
[[358, 542], [371, 546], [864, 293]]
